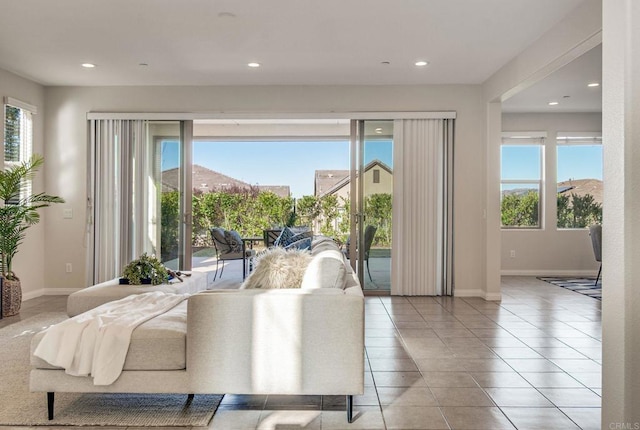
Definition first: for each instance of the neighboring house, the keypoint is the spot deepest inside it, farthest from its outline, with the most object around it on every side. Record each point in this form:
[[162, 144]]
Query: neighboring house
[[206, 180], [325, 180], [378, 179], [582, 187]]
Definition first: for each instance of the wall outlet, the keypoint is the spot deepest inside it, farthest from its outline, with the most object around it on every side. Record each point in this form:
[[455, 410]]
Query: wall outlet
[[68, 268], [512, 253]]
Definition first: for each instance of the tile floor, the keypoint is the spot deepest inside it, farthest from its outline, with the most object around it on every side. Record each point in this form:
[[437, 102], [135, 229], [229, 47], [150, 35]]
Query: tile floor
[[532, 361]]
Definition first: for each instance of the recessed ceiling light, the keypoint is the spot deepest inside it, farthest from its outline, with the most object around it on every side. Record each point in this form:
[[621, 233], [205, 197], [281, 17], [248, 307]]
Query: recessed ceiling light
[[594, 84], [88, 65], [253, 65], [421, 63], [226, 15], [143, 64], [553, 103], [385, 63], [378, 130]]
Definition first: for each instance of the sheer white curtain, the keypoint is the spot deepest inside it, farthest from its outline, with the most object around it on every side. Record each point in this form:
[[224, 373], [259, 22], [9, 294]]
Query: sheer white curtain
[[422, 233], [117, 215]]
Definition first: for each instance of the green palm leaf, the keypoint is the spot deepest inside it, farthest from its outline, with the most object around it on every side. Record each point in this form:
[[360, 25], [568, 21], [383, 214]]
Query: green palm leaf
[[20, 210]]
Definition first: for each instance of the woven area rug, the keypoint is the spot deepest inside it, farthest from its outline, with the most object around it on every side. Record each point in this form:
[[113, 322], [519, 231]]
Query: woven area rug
[[584, 286], [18, 406]]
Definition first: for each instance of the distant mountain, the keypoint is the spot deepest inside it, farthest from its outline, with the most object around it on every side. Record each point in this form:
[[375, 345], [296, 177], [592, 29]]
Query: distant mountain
[[206, 180], [579, 187]]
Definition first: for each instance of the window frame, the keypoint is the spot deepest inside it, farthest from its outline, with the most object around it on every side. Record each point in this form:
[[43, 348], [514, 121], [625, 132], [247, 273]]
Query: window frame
[[525, 139], [27, 111], [566, 139]]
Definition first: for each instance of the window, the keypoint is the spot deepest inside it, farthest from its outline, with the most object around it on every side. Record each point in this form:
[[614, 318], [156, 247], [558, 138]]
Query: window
[[579, 173], [376, 176], [18, 136], [521, 181]]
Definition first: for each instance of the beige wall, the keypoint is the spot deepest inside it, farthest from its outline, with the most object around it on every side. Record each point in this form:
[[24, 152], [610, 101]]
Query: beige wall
[[549, 251], [30, 261], [576, 34], [67, 129], [621, 235]]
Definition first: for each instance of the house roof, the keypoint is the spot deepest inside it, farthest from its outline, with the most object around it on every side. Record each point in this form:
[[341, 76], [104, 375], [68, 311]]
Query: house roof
[[346, 178], [581, 187], [327, 179]]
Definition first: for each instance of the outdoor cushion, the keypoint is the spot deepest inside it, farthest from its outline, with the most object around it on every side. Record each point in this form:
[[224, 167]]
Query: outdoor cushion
[[285, 237], [234, 241], [304, 243]]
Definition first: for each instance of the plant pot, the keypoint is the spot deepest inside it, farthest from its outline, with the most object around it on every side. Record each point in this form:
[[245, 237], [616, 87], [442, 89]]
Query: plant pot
[[11, 297]]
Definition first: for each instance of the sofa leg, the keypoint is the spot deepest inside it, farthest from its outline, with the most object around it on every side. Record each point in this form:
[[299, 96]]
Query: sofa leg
[[350, 409], [50, 398], [190, 398]]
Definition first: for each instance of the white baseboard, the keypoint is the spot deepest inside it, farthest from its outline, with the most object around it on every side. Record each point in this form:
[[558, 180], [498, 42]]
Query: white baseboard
[[49, 292], [548, 272], [478, 293]]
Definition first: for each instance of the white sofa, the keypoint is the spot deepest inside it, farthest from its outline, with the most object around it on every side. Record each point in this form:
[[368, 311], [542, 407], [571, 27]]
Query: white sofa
[[246, 341], [96, 295]]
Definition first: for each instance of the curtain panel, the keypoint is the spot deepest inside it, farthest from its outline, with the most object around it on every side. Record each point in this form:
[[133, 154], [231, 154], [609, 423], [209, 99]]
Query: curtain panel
[[116, 183], [422, 207]]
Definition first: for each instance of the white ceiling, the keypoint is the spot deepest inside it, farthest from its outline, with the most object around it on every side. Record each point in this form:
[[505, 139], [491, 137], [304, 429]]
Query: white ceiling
[[571, 81], [310, 42], [303, 42]]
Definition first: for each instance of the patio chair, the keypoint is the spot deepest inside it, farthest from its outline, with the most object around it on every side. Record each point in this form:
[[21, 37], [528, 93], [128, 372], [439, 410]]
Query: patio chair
[[595, 231], [228, 246], [369, 234]]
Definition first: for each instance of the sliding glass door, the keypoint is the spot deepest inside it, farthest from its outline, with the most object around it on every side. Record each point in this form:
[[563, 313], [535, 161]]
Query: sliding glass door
[[371, 202], [170, 199]]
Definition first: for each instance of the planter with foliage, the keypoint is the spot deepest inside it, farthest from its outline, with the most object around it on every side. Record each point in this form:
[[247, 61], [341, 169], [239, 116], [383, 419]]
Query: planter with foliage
[[145, 270], [18, 212]]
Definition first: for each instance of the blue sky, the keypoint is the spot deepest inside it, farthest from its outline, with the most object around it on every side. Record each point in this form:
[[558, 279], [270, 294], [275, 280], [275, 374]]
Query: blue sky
[[574, 162], [294, 163], [276, 163]]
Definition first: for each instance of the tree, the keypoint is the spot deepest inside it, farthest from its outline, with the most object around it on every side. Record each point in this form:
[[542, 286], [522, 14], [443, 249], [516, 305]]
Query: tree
[[576, 211], [328, 213], [169, 225], [378, 211], [308, 209], [520, 210], [12, 134]]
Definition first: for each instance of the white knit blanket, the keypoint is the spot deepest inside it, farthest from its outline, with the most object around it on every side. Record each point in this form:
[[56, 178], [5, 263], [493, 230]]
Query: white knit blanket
[[95, 343]]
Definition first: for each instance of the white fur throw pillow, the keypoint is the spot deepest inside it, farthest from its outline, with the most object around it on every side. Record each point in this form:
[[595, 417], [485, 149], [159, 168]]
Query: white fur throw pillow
[[279, 268]]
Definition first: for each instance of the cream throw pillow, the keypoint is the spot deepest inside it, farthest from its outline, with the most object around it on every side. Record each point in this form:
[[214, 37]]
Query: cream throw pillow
[[326, 270], [278, 268]]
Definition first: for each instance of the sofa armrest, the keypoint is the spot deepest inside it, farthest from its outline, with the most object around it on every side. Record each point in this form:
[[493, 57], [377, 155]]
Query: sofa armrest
[[276, 341]]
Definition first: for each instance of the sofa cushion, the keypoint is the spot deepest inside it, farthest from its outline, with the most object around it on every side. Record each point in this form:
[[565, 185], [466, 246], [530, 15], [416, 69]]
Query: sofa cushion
[[157, 344], [279, 268], [326, 270], [94, 296]]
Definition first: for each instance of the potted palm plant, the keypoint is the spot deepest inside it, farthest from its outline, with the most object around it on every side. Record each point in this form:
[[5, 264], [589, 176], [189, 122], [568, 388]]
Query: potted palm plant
[[18, 212]]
